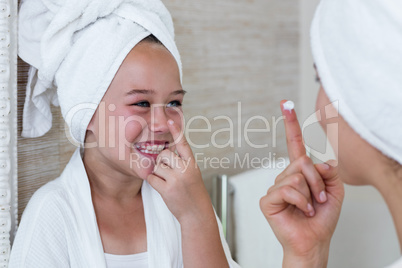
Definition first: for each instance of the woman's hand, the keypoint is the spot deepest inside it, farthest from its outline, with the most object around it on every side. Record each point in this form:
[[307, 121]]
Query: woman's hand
[[178, 180], [303, 206]]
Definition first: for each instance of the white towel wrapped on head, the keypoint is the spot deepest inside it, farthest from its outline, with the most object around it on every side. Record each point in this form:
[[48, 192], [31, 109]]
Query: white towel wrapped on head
[[76, 48], [357, 47]]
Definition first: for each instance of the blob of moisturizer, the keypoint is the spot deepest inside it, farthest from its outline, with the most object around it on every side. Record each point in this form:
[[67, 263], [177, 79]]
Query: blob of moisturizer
[[289, 105]]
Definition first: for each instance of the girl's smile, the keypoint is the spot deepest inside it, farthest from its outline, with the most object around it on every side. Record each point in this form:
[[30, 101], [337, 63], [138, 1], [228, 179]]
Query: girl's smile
[[151, 148]]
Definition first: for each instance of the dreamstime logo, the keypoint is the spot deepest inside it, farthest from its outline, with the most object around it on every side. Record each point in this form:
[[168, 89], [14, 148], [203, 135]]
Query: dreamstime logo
[[118, 131]]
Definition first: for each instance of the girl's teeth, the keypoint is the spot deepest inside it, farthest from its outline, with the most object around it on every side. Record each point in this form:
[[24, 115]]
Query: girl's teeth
[[151, 149]]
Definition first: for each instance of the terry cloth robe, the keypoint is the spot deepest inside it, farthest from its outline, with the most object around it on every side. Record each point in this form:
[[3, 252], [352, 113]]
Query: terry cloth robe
[[59, 229]]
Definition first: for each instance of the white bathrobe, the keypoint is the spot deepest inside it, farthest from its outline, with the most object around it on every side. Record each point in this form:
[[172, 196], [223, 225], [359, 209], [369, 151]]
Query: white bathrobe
[[59, 229]]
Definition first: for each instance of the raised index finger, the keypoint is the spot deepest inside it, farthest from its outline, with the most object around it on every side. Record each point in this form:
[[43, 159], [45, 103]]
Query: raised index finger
[[294, 137], [182, 146]]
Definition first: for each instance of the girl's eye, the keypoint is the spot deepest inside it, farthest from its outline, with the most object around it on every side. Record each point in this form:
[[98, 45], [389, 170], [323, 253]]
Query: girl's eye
[[142, 104], [174, 104]]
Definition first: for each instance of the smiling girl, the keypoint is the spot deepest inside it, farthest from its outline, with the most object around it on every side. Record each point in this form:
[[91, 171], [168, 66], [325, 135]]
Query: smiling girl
[[132, 195]]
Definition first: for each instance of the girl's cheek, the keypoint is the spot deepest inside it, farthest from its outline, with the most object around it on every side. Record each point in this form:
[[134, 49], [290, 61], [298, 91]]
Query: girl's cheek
[[134, 129]]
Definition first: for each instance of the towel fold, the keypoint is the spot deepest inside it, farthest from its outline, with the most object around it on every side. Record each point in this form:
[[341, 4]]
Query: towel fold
[[357, 48], [75, 47]]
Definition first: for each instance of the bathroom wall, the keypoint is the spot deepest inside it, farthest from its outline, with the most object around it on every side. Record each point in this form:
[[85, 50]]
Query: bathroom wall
[[237, 55]]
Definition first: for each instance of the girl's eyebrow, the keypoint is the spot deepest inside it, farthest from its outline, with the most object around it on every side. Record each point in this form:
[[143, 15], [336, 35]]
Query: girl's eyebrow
[[178, 92], [141, 91], [152, 92]]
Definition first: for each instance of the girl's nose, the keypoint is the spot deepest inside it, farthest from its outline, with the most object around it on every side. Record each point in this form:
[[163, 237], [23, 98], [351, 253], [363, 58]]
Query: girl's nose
[[158, 121]]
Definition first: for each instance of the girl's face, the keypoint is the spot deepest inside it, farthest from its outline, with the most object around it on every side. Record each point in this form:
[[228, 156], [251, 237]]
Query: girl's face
[[129, 128]]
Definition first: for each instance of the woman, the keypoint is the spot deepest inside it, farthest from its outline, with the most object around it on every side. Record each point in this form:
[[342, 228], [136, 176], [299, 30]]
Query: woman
[[125, 199], [356, 47]]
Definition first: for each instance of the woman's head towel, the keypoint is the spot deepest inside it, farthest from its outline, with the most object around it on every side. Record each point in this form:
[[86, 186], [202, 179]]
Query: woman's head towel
[[357, 47], [75, 47]]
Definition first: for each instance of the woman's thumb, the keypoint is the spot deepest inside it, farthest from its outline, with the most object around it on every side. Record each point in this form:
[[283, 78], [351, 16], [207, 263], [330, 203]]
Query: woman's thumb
[[328, 170], [329, 173]]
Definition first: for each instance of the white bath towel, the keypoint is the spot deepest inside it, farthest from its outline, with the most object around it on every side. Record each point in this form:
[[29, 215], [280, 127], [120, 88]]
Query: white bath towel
[[357, 47], [76, 47]]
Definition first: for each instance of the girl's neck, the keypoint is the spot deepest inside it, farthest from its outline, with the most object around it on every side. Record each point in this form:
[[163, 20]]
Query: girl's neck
[[108, 184]]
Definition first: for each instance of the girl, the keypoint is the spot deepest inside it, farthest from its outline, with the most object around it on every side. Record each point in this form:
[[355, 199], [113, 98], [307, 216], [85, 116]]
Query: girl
[[125, 199]]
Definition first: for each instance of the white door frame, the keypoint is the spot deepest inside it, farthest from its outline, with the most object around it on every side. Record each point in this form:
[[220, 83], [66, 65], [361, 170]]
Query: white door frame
[[8, 127]]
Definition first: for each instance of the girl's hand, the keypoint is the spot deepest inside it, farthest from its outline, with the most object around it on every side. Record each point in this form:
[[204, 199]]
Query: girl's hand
[[303, 206], [178, 179]]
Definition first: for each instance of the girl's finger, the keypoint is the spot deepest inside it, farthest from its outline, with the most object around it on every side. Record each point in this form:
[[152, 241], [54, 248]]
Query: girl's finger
[[294, 137], [163, 171], [156, 182], [182, 146], [169, 158], [306, 166], [280, 199]]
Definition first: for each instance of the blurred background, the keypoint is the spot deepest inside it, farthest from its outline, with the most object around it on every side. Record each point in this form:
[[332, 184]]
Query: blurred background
[[240, 58]]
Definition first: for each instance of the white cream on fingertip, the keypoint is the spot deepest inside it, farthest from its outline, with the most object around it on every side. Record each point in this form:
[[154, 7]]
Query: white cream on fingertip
[[289, 105]]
